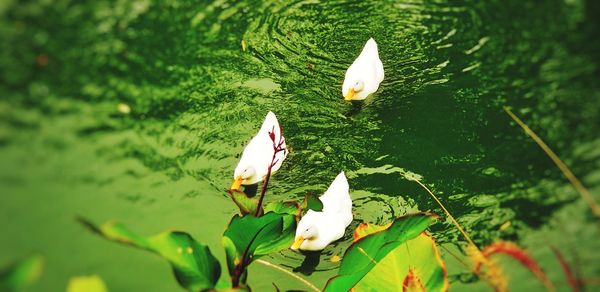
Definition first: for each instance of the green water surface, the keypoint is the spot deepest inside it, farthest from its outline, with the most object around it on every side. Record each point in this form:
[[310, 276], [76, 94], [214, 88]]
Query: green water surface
[[197, 95]]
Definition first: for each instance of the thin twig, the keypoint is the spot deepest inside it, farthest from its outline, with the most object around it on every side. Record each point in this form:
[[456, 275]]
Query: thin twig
[[585, 194], [305, 282], [571, 278], [277, 147], [462, 231], [263, 190], [458, 259], [480, 255]]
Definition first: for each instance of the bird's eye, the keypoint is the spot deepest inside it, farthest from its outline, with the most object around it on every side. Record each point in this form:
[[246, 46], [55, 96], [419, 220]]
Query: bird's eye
[[358, 86]]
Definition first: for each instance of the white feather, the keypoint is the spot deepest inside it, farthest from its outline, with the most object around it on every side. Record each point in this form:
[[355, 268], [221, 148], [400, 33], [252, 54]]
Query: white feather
[[367, 68], [259, 152], [330, 224]]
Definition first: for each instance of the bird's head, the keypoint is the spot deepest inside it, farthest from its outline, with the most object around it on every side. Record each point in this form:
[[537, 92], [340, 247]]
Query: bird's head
[[242, 175], [306, 234], [351, 88], [307, 229]]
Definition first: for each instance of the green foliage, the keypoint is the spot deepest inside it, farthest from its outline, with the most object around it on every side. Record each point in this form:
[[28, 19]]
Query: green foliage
[[312, 202], [288, 207], [247, 238], [19, 275], [418, 260], [247, 205], [364, 254], [86, 284], [193, 264]]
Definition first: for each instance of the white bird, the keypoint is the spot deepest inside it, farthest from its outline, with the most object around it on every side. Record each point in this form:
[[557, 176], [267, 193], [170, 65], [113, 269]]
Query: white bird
[[258, 154], [318, 229], [364, 75]]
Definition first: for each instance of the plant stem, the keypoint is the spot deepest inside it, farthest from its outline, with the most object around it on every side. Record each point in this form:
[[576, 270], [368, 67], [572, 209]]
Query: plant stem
[[585, 194], [457, 258], [305, 282], [276, 149], [462, 231], [572, 279], [263, 190]]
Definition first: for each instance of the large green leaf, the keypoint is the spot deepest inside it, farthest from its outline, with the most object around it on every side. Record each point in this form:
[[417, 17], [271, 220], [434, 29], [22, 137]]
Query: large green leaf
[[417, 261], [362, 256], [19, 275], [247, 238], [193, 264]]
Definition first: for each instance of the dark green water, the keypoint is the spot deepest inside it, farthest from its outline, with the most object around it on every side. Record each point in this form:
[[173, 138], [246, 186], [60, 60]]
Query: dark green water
[[197, 97]]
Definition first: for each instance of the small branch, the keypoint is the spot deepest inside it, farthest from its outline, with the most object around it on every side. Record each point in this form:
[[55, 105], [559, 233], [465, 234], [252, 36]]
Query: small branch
[[244, 262], [277, 147], [585, 194], [305, 282], [571, 278], [480, 255], [462, 231], [457, 258], [238, 271], [263, 190]]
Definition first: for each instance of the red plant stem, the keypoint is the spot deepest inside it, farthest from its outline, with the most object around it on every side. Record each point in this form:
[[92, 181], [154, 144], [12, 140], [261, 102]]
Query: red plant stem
[[515, 252], [239, 269], [571, 278], [276, 149], [264, 188]]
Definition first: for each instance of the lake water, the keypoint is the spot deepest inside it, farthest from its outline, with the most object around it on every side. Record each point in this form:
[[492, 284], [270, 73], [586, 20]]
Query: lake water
[[198, 79]]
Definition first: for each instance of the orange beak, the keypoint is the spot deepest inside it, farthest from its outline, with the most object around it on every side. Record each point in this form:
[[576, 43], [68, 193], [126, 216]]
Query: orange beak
[[350, 94], [297, 243], [236, 183]]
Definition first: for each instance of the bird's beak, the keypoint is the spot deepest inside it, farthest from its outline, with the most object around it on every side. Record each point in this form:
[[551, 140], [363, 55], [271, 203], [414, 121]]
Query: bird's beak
[[236, 183], [297, 243], [350, 94]]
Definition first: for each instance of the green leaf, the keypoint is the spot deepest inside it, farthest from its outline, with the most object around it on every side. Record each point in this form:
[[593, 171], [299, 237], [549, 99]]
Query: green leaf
[[21, 274], [362, 255], [247, 238], [414, 263], [193, 264], [312, 202], [365, 229], [288, 207], [86, 284], [245, 204]]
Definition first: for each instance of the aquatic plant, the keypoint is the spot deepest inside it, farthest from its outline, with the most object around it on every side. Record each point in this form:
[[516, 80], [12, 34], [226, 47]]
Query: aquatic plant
[[581, 189], [389, 257], [400, 255], [493, 273]]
